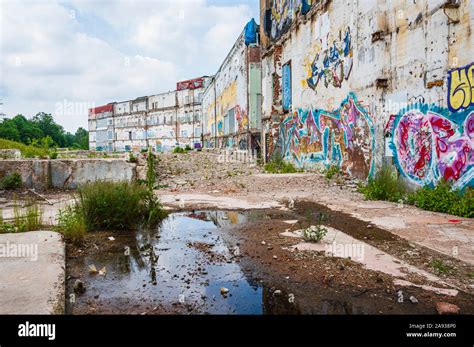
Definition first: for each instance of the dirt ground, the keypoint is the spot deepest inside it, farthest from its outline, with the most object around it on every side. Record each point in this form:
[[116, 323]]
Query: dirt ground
[[316, 282]]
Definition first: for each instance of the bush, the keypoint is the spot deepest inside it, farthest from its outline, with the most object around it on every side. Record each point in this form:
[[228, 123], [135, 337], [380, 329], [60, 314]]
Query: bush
[[132, 158], [118, 205], [442, 198], [187, 148], [384, 186], [11, 181], [278, 165], [332, 171], [71, 223], [179, 150], [53, 154]]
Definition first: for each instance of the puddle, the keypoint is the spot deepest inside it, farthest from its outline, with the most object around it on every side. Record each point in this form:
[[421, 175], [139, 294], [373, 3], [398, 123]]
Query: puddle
[[185, 262]]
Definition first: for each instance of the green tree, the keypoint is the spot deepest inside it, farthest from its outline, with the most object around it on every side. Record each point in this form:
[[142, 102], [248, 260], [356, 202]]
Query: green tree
[[8, 130]]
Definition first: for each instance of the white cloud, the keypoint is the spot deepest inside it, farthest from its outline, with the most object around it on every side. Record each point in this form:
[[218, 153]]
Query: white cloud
[[51, 51]]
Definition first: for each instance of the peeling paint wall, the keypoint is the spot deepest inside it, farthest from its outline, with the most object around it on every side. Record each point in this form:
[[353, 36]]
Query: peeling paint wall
[[231, 103], [404, 63]]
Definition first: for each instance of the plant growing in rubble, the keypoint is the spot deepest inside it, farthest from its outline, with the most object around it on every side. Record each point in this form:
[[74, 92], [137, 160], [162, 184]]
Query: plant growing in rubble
[[11, 181], [315, 233], [179, 150], [71, 223], [332, 171], [278, 165], [385, 185]]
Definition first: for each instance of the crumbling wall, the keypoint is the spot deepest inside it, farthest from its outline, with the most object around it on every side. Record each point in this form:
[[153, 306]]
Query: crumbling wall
[[371, 82], [67, 173]]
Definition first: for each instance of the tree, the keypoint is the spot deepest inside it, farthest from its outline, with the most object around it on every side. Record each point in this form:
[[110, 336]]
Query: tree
[[8, 130]]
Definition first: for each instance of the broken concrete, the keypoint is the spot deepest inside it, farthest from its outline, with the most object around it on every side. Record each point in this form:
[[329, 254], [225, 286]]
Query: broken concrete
[[67, 173], [32, 273]]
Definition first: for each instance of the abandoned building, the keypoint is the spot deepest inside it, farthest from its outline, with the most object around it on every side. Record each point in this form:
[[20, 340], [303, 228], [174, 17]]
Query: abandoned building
[[161, 121], [232, 100], [312, 86], [354, 84]]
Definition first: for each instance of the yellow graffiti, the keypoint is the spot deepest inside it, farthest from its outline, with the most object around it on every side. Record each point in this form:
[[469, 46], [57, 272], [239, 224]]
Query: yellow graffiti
[[461, 88]]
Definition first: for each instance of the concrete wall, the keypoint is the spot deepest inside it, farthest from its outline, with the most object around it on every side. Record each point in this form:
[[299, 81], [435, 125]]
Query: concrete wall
[[67, 173], [357, 83]]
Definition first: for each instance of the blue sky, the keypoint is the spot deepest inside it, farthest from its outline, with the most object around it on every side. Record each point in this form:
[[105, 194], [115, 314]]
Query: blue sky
[[63, 57]]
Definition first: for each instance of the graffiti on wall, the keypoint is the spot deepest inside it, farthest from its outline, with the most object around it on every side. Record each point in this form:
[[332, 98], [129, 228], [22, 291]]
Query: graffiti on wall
[[283, 12], [330, 66], [430, 143], [461, 88], [286, 86], [241, 117], [343, 137]]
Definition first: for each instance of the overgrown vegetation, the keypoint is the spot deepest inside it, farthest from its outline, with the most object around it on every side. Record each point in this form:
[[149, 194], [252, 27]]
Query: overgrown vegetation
[[278, 165], [43, 132], [114, 206], [385, 185], [441, 198], [25, 219], [26, 150], [179, 150], [71, 223], [332, 171], [11, 181]]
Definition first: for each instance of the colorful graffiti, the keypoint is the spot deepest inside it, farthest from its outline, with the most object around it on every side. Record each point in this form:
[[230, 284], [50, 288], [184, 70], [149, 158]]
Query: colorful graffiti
[[190, 84], [430, 143], [242, 118], [286, 86], [461, 88], [343, 137], [332, 65], [283, 12]]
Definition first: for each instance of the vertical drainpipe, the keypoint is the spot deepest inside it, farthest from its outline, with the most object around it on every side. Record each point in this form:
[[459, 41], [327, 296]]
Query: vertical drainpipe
[[247, 63], [215, 112], [176, 114]]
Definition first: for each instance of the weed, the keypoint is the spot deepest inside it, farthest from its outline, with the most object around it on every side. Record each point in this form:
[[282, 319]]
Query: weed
[[440, 267], [11, 181], [132, 158], [71, 223], [384, 186], [26, 150], [118, 205], [443, 198], [187, 148], [179, 150], [332, 171], [278, 165], [28, 220]]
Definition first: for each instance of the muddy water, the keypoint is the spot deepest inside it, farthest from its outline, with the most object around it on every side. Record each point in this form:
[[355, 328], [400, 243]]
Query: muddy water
[[185, 263]]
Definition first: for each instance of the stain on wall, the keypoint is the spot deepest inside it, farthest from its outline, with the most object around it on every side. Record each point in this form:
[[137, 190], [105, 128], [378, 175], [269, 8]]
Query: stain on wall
[[343, 137]]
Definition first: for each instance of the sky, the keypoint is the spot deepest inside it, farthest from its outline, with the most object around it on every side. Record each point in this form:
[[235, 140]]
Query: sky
[[63, 57]]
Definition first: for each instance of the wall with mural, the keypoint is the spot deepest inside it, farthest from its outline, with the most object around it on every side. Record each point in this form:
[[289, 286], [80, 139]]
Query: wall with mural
[[399, 88], [430, 143], [343, 137]]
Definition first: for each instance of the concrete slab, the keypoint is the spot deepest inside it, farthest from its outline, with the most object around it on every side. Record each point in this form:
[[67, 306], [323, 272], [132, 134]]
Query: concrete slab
[[32, 273]]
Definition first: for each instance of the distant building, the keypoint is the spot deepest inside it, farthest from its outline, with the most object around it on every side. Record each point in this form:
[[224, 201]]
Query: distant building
[[232, 100], [162, 121]]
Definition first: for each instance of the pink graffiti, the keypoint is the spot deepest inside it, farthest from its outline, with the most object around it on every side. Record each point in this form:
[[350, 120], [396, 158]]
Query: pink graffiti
[[418, 134]]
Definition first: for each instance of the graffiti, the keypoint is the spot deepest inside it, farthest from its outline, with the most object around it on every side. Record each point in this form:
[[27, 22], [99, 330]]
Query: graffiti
[[286, 83], [242, 118], [333, 65], [283, 12], [344, 137], [429, 144], [190, 84], [461, 88]]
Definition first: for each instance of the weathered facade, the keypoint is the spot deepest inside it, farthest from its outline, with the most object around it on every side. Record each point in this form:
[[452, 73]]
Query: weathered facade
[[232, 101], [357, 83], [161, 121]]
